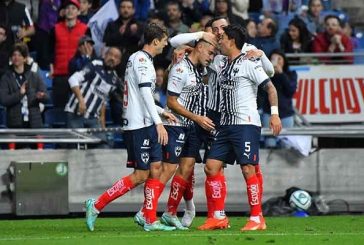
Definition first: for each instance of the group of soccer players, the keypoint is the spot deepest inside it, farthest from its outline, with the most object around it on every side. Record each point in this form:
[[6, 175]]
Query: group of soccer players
[[211, 100]]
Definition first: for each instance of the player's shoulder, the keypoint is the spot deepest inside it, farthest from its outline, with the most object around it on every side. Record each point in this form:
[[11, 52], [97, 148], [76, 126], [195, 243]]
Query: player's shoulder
[[247, 47], [141, 57], [180, 67]]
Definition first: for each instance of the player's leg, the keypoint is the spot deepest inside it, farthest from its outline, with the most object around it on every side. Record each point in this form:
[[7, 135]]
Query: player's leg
[[153, 187], [190, 211], [246, 147]]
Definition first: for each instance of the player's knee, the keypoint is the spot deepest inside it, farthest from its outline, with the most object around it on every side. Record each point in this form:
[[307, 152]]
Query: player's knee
[[210, 171], [248, 170]]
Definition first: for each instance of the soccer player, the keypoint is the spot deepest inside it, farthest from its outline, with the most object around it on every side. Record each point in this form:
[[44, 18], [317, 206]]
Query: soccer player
[[214, 93], [144, 133], [184, 89], [239, 132]]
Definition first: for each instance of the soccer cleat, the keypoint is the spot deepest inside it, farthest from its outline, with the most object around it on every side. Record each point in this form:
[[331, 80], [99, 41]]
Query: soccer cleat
[[91, 214], [158, 226], [254, 226], [214, 224], [172, 220], [139, 218], [188, 217]]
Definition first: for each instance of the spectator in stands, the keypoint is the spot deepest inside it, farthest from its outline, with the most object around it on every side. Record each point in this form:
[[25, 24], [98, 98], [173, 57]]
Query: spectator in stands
[[224, 8], [5, 48], [91, 87], [191, 11], [251, 28], [16, 17], [266, 39], [349, 32], [21, 91], [285, 81], [142, 8], [200, 26], [63, 46], [84, 55], [47, 19], [333, 40], [312, 17], [85, 11], [174, 19], [160, 95], [297, 38], [125, 32]]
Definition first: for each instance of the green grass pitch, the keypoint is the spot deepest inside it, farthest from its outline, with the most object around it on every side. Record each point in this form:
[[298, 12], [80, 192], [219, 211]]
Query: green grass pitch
[[342, 230]]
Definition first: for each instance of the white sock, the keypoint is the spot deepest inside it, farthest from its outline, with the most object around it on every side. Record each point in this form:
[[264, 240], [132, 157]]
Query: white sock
[[190, 205], [255, 219], [219, 214]]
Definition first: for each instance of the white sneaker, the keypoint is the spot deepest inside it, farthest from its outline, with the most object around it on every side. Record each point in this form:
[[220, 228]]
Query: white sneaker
[[188, 217]]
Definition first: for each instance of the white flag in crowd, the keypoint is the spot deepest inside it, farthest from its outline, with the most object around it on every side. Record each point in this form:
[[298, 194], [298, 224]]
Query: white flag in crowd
[[97, 24]]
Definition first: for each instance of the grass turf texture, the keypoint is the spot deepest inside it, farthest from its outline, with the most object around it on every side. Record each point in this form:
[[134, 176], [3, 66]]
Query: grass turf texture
[[341, 230]]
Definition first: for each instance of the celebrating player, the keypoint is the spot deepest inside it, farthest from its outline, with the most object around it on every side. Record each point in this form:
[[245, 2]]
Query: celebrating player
[[239, 132], [144, 133]]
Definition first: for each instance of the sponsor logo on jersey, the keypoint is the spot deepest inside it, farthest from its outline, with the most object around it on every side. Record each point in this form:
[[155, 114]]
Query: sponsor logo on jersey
[[179, 70]]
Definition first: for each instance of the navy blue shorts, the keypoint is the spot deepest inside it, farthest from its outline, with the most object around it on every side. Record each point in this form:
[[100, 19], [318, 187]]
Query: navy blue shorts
[[242, 140], [204, 140], [142, 147], [176, 140], [192, 145]]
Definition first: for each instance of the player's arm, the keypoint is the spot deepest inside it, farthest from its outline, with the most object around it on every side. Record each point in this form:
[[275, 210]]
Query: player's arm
[[142, 71], [258, 75], [266, 63], [167, 115], [275, 121], [185, 38], [176, 82]]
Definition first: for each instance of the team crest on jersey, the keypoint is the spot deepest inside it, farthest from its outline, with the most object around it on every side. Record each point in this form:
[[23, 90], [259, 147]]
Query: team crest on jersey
[[142, 60], [235, 71], [145, 157], [177, 150]]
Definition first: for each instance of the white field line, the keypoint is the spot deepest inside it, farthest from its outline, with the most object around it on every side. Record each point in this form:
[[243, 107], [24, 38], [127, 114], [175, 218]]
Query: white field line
[[181, 234]]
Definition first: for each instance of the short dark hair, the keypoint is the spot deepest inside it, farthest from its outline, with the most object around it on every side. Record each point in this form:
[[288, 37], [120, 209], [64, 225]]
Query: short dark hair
[[131, 1], [21, 48], [237, 33], [2, 26], [154, 31], [331, 16], [173, 2], [219, 18]]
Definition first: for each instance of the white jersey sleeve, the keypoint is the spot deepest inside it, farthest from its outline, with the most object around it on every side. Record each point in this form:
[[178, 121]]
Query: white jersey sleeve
[[177, 79], [266, 64], [256, 72], [185, 38]]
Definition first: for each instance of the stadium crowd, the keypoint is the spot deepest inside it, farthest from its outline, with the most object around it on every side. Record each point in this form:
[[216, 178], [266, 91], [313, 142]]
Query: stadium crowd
[[59, 42]]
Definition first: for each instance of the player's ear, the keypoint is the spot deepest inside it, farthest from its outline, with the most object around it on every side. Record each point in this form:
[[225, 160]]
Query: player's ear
[[155, 42]]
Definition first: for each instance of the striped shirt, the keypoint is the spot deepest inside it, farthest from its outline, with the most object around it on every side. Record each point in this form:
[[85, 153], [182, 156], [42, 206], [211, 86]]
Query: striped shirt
[[214, 86], [96, 84], [239, 80], [185, 82]]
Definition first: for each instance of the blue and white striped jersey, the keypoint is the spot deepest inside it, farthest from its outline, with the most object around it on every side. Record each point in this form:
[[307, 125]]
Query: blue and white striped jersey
[[185, 81], [239, 80], [96, 83], [214, 86]]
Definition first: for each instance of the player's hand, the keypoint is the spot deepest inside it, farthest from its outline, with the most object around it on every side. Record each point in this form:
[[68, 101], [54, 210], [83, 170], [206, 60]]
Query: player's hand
[[254, 53], [162, 134], [81, 107], [170, 117], [275, 124], [205, 122], [209, 37], [40, 95]]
